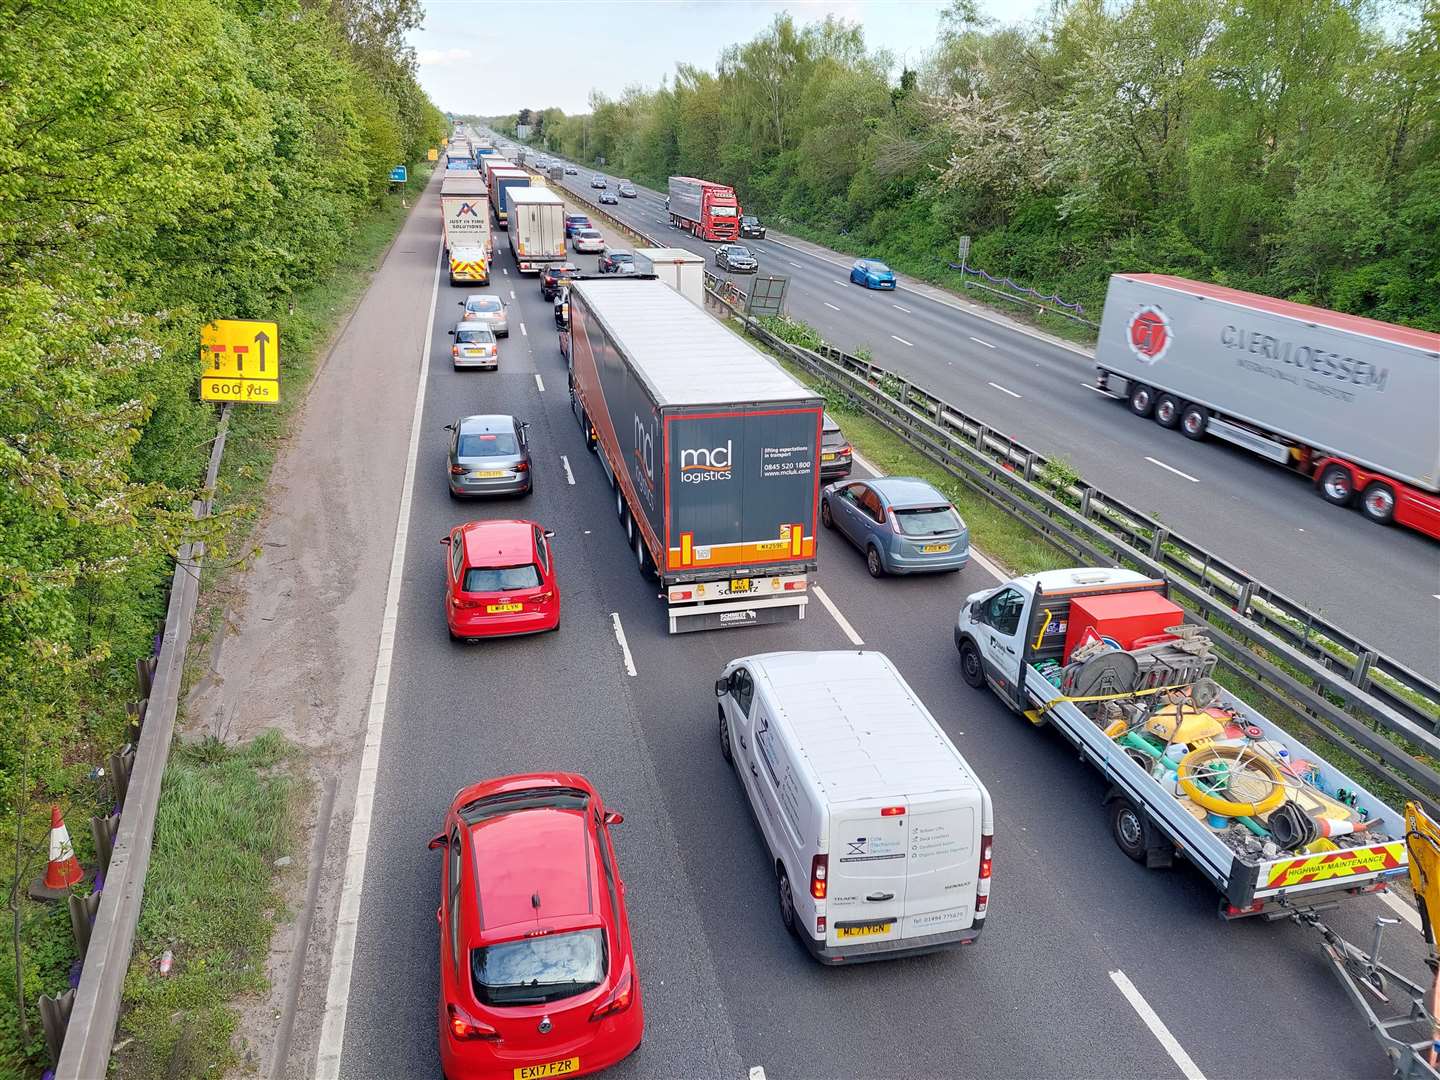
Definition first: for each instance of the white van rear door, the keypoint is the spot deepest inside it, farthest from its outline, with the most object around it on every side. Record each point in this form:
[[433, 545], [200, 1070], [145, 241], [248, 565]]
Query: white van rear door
[[865, 891], [943, 864]]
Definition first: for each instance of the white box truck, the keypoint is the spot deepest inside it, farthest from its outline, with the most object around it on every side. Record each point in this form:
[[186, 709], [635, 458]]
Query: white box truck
[[1352, 403], [537, 227], [880, 833], [682, 270]]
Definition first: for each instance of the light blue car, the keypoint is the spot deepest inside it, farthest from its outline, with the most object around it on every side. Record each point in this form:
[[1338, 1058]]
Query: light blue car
[[873, 274], [901, 523]]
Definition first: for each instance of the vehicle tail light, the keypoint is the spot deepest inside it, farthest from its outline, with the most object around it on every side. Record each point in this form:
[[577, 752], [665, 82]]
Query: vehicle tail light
[[820, 925], [619, 999], [892, 811], [524, 466], [454, 350], [846, 449], [1231, 911], [795, 586], [465, 1028], [457, 470], [467, 603], [982, 887], [543, 598], [682, 594], [819, 871]]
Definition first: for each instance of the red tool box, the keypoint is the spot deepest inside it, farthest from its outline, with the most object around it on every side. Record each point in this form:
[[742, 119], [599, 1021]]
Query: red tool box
[[1121, 618]]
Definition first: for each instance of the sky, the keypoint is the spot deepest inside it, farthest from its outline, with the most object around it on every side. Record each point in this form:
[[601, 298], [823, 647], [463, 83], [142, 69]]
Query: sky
[[467, 66]]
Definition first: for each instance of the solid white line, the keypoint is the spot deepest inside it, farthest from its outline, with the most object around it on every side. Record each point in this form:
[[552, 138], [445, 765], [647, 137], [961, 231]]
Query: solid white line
[[523, 331], [831, 306], [902, 341], [1157, 1026], [569, 476], [855, 639], [1400, 907], [347, 922], [906, 310], [624, 647], [860, 460], [1002, 389], [990, 566], [979, 341], [1171, 468], [539, 382]]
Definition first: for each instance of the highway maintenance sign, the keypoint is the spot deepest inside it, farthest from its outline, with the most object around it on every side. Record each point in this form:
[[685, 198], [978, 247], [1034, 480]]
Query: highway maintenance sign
[[240, 361]]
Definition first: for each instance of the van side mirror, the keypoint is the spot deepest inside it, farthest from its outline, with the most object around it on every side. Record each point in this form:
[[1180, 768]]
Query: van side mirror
[[614, 817], [437, 842], [459, 303], [722, 687], [450, 332]]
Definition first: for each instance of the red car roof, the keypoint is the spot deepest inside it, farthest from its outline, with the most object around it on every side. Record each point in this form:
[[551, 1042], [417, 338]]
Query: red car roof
[[1355, 324], [499, 543], [539, 853]]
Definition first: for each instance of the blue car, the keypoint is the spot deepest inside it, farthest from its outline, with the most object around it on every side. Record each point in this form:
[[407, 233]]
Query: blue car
[[901, 523], [873, 274]]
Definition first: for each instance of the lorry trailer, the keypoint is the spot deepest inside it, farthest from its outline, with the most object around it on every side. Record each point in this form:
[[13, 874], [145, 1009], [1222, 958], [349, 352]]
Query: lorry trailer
[[1349, 402], [1103, 656], [500, 181], [537, 226], [703, 208], [712, 449]]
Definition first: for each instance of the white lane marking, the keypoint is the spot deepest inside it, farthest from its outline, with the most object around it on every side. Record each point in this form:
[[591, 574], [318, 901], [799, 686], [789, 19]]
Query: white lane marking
[[1002, 389], [539, 382], [1400, 907], [505, 270], [849, 631], [795, 264], [569, 476], [757, 1072], [906, 310], [863, 462], [523, 331], [1171, 468], [347, 921], [1157, 1026], [512, 294], [990, 566], [831, 306], [840, 283], [624, 646], [902, 341], [980, 341]]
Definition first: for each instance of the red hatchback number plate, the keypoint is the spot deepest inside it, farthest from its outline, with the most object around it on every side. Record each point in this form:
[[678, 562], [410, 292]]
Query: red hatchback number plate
[[568, 1067]]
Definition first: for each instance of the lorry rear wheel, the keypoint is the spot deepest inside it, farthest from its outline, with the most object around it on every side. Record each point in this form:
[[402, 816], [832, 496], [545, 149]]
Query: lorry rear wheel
[[1337, 485], [1128, 827], [1167, 411], [619, 502], [1142, 399], [1194, 422], [971, 670], [1378, 503], [642, 557]]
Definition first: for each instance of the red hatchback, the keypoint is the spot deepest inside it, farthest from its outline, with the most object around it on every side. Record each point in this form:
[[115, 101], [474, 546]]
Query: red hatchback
[[500, 580], [537, 975]]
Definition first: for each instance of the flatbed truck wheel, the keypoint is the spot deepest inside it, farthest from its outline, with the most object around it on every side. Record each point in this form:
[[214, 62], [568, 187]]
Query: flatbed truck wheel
[[1128, 826]]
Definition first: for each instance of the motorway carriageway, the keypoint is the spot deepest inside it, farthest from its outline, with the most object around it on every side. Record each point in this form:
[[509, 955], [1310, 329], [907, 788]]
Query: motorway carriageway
[[1090, 966], [1382, 585]]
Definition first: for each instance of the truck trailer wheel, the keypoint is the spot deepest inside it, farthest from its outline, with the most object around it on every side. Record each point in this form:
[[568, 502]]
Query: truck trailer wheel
[[1378, 503], [642, 557], [1128, 827], [1142, 399], [971, 670], [1337, 485], [1194, 422], [1167, 411]]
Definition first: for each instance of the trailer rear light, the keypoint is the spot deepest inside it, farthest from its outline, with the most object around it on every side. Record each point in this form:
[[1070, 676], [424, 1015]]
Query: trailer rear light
[[465, 1028], [982, 885], [819, 870], [681, 594], [892, 811], [1231, 911], [795, 586]]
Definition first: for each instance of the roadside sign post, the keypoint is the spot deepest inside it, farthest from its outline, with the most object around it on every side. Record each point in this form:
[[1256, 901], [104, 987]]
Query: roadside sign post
[[964, 251], [432, 154], [240, 361], [399, 174]]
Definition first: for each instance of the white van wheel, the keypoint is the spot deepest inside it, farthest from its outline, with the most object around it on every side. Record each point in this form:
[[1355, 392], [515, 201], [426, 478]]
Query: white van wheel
[[787, 903], [725, 736]]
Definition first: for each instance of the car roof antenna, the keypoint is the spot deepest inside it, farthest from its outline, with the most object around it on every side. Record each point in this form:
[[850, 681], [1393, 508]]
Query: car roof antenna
[[535, 900]]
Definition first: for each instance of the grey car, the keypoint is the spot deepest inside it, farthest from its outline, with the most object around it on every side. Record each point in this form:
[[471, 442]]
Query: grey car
[[490, 455], [486, 309], [475, 346], [901, 523], [836, 454]]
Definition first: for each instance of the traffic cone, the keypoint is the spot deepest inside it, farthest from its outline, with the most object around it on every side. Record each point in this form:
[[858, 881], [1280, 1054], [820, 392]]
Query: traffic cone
[[63, 871]]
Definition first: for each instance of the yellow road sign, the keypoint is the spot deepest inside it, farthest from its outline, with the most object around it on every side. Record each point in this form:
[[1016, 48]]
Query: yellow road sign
[[240, 361], [432, 154]]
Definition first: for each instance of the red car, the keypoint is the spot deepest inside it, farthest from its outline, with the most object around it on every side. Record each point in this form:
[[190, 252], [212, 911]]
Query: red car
[[500, 580], [537, 974]]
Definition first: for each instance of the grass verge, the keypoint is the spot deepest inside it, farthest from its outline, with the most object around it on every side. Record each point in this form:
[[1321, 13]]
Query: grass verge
[[226, 814]]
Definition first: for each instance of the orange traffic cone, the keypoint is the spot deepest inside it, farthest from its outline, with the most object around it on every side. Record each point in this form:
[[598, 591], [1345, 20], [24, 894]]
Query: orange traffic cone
[[63, 871]]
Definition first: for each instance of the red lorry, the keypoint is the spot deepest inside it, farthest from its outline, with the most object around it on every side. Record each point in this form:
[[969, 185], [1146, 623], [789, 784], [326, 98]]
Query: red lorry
[[704, 209]]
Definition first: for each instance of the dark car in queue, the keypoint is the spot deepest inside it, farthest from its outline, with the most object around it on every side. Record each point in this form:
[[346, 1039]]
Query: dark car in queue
[[575, 221], [555, 276], [615, 261], [836, 455], [489, 455], [608, 198], [750, 228], [736, 258]]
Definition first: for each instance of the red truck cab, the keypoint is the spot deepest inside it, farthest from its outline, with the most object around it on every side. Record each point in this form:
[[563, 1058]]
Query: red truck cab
[[704, 209]]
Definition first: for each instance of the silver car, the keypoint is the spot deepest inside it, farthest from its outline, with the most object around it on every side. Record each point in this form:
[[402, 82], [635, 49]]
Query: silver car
[[475, 346], [487, 310], [901, 523], [490, 455], [587, 240]]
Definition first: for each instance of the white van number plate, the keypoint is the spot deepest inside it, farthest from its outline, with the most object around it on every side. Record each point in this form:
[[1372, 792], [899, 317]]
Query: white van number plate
[[858, 930]]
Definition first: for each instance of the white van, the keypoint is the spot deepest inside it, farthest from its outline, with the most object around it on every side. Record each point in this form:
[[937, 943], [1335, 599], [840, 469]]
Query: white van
[[880, 833]]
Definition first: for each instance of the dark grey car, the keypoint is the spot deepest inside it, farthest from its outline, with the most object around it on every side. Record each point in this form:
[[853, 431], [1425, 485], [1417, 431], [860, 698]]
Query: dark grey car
[[836, 454], [490, 455]]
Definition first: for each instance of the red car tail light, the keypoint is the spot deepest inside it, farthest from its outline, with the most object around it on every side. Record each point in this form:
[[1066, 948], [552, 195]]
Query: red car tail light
[[523, 466], [982, 887], [457, 470], [619, 999], [464, 603], [465, 1028], [819, 871], [543, 598]]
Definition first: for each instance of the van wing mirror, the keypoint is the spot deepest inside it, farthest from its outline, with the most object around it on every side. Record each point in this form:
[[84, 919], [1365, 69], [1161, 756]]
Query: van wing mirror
[[722, 687]]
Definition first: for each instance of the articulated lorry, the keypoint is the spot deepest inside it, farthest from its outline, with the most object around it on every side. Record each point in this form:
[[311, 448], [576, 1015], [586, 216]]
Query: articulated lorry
[[712, 449], [537, 227], [1347, 401], [703, 208], [464, 211], [1103, 656], [502, 180]]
